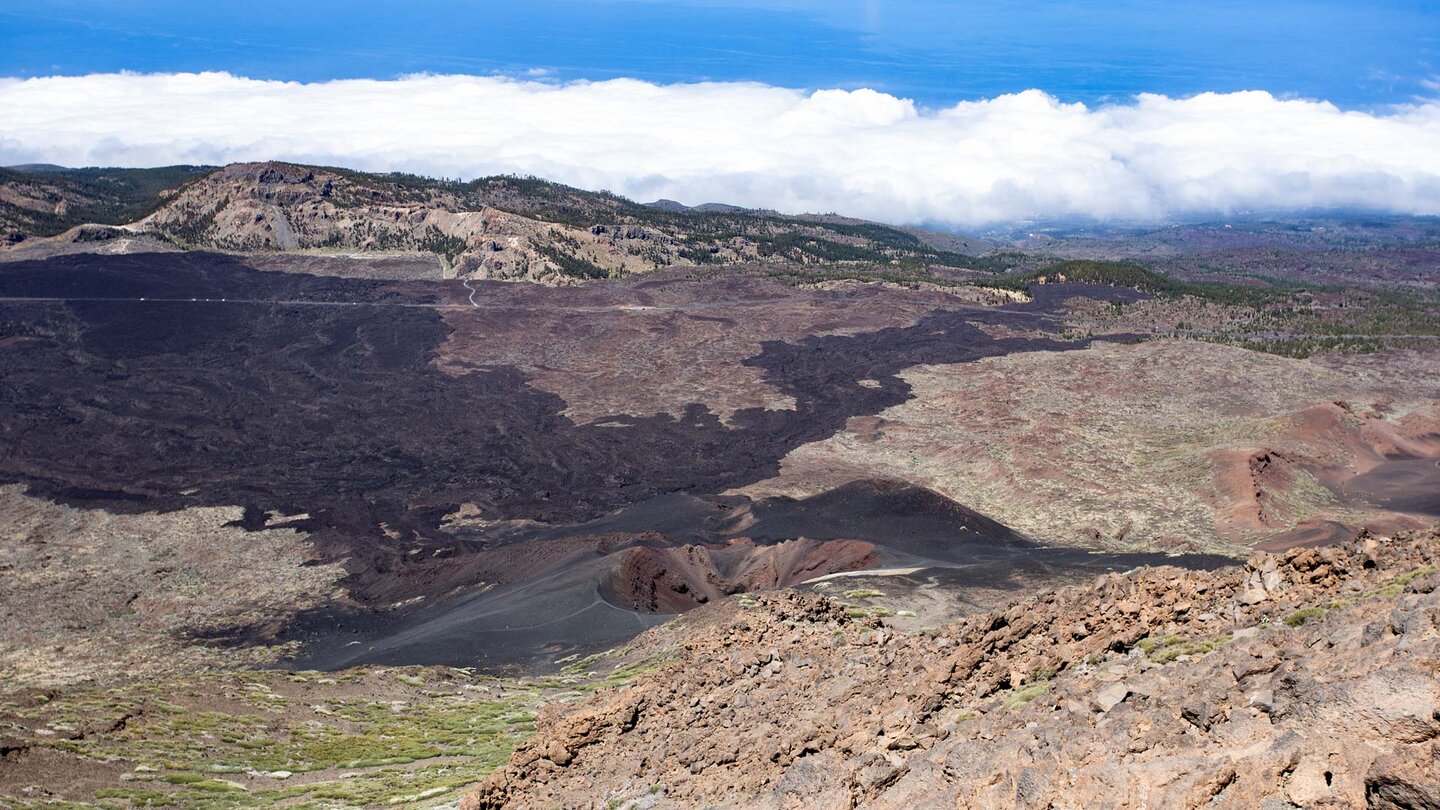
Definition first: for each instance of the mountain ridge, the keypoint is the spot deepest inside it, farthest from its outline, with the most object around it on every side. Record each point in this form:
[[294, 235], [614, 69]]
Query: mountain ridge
[[517, 228]]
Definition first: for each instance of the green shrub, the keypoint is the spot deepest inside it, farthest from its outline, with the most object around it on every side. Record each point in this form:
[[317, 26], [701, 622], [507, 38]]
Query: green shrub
[[1300, 617], [1164, 649], [1026, 694]]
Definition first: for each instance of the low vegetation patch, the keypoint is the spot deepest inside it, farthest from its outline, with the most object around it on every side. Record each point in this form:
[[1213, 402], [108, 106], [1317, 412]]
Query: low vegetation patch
[[1026, 693], [1393, 588], [1165, 649], [1396, 586], [1300, 617], [210, 741], [868, 612]]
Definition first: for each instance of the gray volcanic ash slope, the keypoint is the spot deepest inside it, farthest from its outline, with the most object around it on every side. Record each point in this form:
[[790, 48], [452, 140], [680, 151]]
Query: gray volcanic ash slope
[[553, 592]]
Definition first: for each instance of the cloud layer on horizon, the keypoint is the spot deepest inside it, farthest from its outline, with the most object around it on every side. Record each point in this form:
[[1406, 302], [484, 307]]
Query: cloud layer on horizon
[[859, 152]]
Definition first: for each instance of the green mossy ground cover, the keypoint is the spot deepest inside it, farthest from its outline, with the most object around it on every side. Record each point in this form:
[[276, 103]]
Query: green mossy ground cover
[[392, 737]]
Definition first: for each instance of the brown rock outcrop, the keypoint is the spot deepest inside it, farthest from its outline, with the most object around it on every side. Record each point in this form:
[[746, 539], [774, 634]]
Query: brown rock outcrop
[[1306, 678], [280, 206], [673, 580]]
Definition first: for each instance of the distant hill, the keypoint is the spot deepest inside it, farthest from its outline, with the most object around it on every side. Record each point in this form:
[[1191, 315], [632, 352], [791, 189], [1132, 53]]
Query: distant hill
[[711, 207], [44, 200], [38, 167], [494, 227]]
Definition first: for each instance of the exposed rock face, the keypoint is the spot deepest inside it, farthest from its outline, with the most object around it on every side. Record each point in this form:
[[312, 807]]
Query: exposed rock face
[[499, 227], [673, 580], [276, 206], [23, 202], [51, 204], [1306, 679]]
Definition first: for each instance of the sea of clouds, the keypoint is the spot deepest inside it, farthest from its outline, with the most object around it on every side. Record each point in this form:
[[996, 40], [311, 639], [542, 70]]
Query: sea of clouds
[[858, 152]]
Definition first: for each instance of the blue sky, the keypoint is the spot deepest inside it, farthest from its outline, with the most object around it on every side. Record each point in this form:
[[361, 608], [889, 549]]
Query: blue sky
[[1355, 54]]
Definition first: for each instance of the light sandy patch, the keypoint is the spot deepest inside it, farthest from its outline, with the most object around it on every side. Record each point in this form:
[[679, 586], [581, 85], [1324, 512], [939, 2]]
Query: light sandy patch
[[86, 595], [1121, 446], [868, 572], [663, 359]]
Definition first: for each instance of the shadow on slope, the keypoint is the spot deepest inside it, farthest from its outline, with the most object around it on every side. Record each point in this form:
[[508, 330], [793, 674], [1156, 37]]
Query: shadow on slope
[[564, 591]]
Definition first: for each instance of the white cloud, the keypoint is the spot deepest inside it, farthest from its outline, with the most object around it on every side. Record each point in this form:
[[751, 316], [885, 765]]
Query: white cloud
[[860, 152]]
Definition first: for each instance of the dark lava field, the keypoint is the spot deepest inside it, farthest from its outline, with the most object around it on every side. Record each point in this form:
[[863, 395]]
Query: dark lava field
[[382, 419]]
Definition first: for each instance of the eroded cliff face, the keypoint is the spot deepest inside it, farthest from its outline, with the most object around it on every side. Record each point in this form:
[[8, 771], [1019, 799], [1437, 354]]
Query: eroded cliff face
[[502, 227], [276, 206], [1306, 678]]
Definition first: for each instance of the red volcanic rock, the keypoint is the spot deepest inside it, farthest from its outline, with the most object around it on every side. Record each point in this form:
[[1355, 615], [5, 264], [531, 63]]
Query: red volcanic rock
[[1361, 457], [674, 580], [1251, 482]]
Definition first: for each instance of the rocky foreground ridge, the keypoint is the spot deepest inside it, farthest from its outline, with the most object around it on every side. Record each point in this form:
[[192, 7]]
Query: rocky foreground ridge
[[1306, 678]]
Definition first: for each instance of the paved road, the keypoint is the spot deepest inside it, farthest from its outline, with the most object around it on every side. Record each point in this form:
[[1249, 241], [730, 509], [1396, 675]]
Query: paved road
[[412, 305], [1201, 333], [686, 307], [473, 304]]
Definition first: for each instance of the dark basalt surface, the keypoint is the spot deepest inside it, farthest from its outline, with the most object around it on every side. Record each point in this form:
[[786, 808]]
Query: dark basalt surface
[[1404, 485], [127, 383], [130, 396], [545, 603]]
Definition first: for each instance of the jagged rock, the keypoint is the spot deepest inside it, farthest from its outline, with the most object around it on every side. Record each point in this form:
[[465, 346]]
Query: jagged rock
[[1263, 699], [1198, 713], [1001, 715], [1110, 697], [1407, 779], [1254, 592], [558, 753]]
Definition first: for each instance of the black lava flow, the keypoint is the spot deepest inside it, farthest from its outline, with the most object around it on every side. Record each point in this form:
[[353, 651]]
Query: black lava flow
[[123, 393]]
